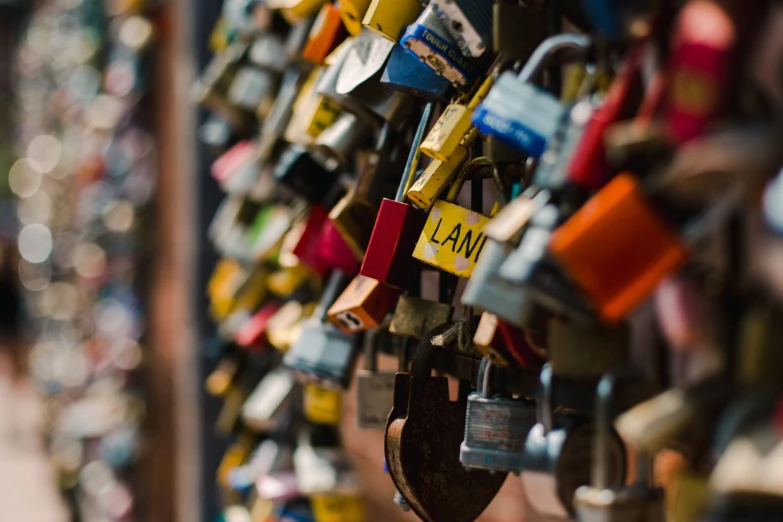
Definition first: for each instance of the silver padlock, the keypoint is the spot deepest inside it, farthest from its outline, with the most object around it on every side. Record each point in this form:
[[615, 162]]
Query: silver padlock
[[374, 389], [272, 396], [533, 118], [343, 137], [558, 455], [495, 428], [603, 501], [323, 353]]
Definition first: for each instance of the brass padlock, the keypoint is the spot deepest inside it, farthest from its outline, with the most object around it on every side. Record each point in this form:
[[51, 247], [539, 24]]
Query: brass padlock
[[423, 436], [414, 317], [389, 17]]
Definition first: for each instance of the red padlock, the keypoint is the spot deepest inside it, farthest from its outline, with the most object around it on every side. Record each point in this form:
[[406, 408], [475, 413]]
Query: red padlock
[[398, 227], [253, 333], [333, 252], [305, 249], [588, 167], [701, 66]]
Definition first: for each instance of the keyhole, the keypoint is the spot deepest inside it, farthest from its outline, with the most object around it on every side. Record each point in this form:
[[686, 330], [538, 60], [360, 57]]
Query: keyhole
[[457, 26], [350, 321]]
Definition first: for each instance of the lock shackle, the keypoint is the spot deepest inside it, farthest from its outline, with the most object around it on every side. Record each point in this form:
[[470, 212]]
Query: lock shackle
[[415, 154], [545, 415], [334, 286], [484, 379], [551, 49], [605, 412], [421, 365], [468, 171]]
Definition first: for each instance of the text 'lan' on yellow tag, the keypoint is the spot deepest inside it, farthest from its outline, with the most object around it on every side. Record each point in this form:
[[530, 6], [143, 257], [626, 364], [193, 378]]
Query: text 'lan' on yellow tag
[[321, 405], [452, 238], [338, 508]]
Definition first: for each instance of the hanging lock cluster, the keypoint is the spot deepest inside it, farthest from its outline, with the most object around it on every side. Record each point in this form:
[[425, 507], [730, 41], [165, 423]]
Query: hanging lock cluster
[[496, 190]]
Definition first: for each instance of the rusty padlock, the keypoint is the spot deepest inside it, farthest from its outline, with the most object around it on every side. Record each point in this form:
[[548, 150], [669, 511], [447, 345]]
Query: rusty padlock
[[423, 436]]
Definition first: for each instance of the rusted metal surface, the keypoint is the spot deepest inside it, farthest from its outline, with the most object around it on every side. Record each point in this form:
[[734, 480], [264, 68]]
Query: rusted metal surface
[[423, 436]]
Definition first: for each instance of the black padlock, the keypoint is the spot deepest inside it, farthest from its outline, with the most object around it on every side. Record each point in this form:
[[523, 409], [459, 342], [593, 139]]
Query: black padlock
[[306, 173]]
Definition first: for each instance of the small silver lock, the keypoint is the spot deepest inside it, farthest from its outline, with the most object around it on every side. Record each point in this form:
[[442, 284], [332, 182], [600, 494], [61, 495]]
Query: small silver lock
[[601, 502], [269, 400], [495, 428], [375, 390], [558, 455]]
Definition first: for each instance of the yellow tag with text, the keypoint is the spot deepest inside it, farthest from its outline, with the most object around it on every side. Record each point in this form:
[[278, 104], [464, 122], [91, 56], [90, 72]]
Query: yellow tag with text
[[321, 405], [452, 239], [338, 508]]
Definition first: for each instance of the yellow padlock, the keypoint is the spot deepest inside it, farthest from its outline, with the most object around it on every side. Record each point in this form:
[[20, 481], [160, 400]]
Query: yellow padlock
[[312, 113], [286, 280], [453, 236], [439, 174], [295, 10], [285, 326], [445, 136], [352, 12], [335, 507], [388, 18], [322, 405]]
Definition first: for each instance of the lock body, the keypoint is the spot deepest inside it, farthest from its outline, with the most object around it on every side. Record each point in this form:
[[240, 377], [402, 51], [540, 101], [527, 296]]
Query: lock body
[[389, 17], [324, 36], [375, 396], [333, 252], [452, 239], [405, 72], [469, 22], [414, 317], [271, 397], [392, 242], [526, 125], [352, 13], [495, 433], [322, 353], [636, 250], [363, 304], [428, 40], [300, 172], [436, 178], [444, 137]]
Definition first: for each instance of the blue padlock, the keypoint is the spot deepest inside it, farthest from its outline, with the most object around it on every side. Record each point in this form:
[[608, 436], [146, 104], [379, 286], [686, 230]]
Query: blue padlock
[[405, 72], [519, 114], [428, 40]]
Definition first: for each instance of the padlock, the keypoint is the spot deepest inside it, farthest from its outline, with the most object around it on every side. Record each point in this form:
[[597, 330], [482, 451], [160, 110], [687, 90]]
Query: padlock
[[218, 382], [469, 23], [445, 136], [267, 232], [414, 316], [452, 238], [321, 466], [701, 65], [607, 501], [529, 124], [263, 408], [558, 455], [423, 436], [252, 90], [586, 352], [296, 10], [285, 327], [355, 214], [312, 114], [253, 334], [495, 427], [305, 173], [404, 72], [363, 305], [388, 18], [237, 168], [352, 13], [279, 115], [268, 52], [388, 257], [333, 252], [343, 137], [322, 405], [488, 341], [439, 174], [326, 33], [429, 40], [288, 279], [323, 353], [305, 234], [335, 507], [374, 389], [643, 249], [518, 29], [212, 86]]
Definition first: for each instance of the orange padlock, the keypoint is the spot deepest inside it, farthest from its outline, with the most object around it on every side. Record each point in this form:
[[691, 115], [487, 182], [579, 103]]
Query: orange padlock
[[326, 33], [363, 305], [617, 247]]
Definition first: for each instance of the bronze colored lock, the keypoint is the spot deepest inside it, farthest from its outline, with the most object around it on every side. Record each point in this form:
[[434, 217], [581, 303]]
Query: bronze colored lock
[[363, 304], [414, 316], [423, 436]]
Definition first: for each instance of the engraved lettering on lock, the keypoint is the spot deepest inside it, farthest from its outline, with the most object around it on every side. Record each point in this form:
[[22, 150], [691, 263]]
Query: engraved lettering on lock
[[434, 40]]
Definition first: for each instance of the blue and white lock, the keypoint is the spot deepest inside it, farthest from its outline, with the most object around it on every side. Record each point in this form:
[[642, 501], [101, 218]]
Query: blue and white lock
[[519, 114], [496, 428]]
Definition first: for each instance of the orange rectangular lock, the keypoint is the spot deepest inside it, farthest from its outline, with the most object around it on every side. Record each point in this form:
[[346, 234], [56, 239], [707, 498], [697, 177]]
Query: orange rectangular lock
[[326, 33], [617, 247], [363, 304]]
